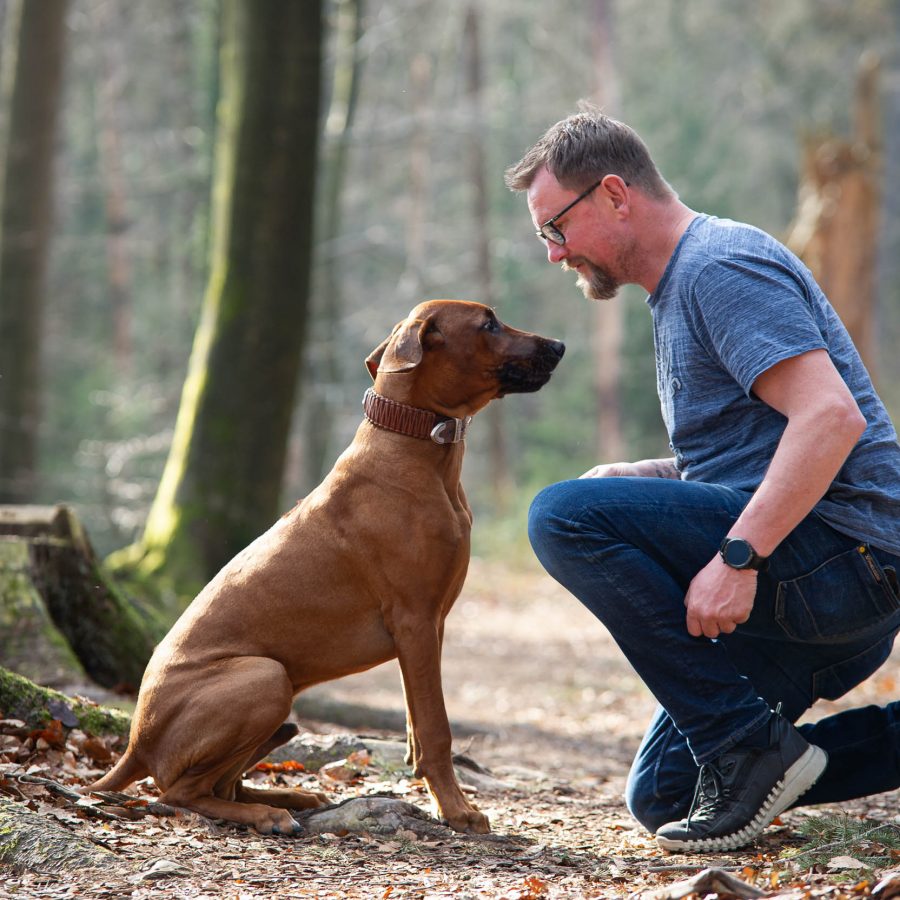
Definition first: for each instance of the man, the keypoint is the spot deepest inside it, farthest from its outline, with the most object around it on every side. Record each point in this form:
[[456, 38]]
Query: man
[[756, 570]]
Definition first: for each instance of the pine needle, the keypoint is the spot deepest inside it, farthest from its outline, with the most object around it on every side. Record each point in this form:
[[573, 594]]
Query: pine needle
[[868, 841]]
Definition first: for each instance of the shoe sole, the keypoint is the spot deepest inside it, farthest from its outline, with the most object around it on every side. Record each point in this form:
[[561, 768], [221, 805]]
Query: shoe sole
[[798, 779]]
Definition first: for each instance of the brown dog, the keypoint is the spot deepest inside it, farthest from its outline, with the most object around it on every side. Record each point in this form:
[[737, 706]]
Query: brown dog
[[362, 570]]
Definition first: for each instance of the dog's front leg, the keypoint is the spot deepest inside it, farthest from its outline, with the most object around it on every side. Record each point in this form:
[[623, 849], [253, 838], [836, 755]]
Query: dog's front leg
[[411, 756], [419, 653]]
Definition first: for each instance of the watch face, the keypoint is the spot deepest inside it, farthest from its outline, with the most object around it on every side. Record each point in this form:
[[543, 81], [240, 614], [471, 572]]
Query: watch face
[[737, 553]]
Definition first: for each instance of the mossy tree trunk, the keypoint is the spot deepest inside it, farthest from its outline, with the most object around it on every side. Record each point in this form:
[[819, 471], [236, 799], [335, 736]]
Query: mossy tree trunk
[[26, 188], [222, 480]]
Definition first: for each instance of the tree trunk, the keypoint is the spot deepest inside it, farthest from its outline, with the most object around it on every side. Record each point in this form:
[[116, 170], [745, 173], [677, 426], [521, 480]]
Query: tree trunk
[[56, 601], [25, 230], [222, 480], [835, 230], [500, 470], [412, 282], [324, 358], [609, 315], [113, 67]]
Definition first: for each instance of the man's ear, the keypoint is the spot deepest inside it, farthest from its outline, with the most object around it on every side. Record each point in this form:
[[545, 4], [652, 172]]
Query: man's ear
[[402, 351]]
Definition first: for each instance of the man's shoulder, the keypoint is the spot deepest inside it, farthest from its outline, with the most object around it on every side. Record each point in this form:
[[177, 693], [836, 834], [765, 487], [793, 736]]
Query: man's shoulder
[[722, 240], [738, 255], [717, 257]]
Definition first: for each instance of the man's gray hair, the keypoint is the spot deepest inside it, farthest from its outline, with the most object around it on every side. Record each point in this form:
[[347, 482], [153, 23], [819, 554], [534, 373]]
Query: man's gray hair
[[586, 146]]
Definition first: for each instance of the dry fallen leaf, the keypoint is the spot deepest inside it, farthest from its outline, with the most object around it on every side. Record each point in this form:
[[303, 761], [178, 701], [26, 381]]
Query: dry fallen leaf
[[846, 862], [289, 765], [52, 736]]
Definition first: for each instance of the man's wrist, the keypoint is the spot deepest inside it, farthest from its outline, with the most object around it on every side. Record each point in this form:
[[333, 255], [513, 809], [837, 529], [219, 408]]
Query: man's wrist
[[739, 554], [659, 468]]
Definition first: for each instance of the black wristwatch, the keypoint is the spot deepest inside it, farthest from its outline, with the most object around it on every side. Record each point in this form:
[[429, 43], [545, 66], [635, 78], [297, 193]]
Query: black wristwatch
[[737, 553]]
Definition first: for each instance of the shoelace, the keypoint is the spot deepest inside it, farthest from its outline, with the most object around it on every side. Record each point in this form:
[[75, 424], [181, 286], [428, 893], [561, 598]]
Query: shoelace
[[707, 800], [709, 794]]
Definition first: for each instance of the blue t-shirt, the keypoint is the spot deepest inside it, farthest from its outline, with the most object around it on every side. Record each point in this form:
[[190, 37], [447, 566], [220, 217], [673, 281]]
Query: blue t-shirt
[[732, 303]]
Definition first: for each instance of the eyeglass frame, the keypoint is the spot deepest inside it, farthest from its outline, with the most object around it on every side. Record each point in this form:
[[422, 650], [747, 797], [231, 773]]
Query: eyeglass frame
[[556, 236]]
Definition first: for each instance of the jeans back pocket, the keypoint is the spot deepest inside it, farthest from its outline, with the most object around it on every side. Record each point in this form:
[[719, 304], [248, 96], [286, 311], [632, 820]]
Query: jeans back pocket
[[840, 600]]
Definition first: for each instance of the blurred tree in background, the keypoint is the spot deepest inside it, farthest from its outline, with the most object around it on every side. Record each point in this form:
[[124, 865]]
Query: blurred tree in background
[[222, 481], [723, 92], [35, 65]]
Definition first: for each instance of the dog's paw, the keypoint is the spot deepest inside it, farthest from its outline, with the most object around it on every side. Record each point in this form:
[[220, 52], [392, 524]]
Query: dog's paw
[[470, 821], [276, 821], [291, 831]]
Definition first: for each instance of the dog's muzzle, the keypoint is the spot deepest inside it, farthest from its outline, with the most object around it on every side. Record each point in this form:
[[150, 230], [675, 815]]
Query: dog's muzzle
[[531, 373]]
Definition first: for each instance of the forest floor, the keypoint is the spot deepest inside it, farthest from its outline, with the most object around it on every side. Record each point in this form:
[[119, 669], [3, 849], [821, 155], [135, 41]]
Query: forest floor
[[540, 695]]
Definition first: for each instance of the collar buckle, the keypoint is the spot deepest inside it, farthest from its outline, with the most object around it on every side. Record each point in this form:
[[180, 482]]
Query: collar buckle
[[450, 431]]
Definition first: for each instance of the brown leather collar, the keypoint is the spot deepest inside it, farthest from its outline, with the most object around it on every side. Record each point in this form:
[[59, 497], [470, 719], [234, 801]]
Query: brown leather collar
[[412, 421]]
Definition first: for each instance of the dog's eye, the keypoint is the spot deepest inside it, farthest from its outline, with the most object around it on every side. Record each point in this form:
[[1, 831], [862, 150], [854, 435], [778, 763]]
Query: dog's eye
[[491, 325]]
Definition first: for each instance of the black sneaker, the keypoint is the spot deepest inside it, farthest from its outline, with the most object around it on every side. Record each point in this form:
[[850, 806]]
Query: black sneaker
[[744, 789]]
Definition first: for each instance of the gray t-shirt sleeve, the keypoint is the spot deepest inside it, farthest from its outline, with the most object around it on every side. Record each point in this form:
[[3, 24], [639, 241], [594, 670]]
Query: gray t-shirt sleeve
[[751, 314]]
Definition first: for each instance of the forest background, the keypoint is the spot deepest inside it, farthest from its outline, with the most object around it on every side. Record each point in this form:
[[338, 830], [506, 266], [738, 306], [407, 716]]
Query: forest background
[[410, 204]]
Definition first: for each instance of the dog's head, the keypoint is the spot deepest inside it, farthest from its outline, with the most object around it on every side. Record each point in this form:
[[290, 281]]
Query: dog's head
[[454, 357]]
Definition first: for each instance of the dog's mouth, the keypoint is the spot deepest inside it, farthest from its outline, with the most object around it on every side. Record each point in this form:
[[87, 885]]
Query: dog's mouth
[[529, 374]]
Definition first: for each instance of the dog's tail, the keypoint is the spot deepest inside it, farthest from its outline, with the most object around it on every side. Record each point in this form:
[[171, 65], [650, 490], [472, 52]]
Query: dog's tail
[[123, 773]]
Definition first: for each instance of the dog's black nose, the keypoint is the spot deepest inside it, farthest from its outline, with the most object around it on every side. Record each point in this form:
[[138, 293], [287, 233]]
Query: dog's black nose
[[558, 347]]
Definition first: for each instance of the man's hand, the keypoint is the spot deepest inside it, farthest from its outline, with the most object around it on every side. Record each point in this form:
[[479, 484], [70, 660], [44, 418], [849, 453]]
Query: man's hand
[[612, 470], [719, 599], [646, 468]]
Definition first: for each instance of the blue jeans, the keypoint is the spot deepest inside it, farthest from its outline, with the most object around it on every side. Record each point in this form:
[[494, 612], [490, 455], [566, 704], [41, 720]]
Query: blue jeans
[[824, 619]]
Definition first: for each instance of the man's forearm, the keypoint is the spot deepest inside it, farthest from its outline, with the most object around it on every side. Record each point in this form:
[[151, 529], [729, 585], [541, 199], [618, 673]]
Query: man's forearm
[[809, 456]]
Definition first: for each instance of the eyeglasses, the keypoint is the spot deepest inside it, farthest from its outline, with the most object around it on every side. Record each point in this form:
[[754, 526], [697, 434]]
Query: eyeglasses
[[549, 232]]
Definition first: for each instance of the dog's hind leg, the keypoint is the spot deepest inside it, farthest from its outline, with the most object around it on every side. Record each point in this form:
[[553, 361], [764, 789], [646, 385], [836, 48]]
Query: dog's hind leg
[[283, 798], [282, 735], [234, 716]]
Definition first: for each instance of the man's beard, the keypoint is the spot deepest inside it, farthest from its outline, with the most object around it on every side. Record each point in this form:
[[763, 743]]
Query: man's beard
[[599, 283]]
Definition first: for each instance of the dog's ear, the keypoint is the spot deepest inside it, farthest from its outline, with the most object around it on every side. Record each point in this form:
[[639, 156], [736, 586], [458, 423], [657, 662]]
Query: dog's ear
[[373, 360], [402, 351]]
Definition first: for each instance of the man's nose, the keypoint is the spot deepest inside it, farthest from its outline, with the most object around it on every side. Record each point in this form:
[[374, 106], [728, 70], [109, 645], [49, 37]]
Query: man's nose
[[556, 252]]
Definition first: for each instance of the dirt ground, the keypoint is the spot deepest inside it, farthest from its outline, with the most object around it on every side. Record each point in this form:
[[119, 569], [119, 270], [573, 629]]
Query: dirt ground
[[539, 694]]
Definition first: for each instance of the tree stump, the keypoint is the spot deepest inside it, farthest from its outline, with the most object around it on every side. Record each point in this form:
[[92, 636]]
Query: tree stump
[[30, 643], [56, 600]]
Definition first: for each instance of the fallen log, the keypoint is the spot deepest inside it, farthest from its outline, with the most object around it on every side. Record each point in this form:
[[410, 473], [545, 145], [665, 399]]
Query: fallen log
[[37, 706]]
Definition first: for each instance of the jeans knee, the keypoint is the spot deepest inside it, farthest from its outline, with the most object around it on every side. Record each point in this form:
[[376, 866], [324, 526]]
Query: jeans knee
[[643, 804], [543, 514], [661, 782]]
